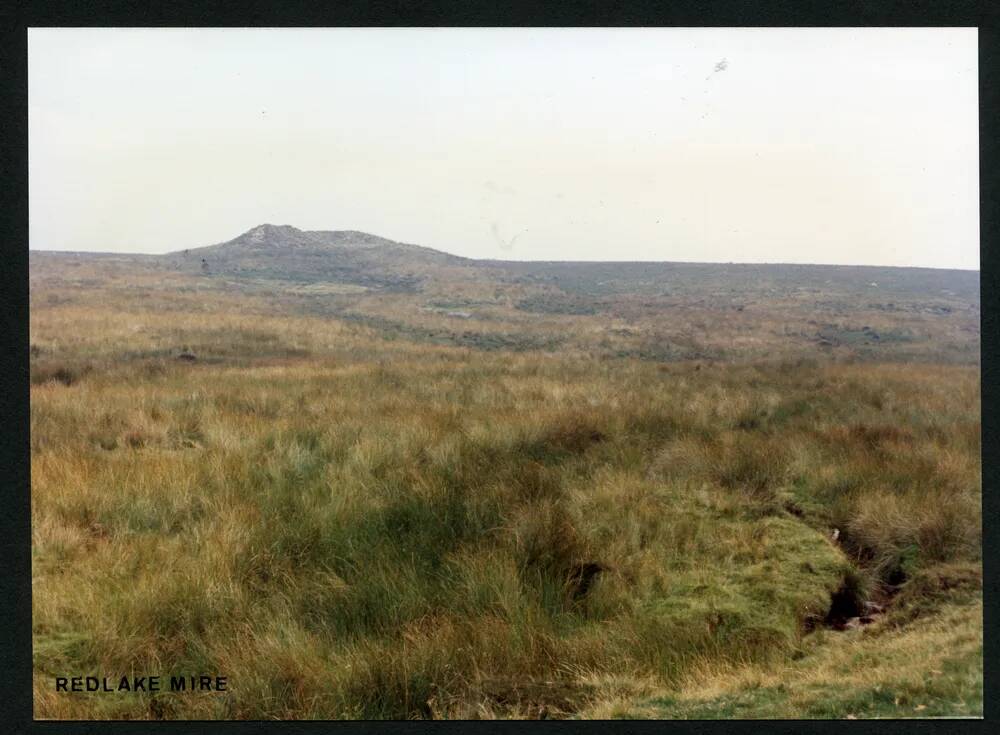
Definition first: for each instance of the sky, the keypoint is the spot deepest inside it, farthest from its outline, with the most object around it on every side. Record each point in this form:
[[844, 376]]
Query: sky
[[840, 146]]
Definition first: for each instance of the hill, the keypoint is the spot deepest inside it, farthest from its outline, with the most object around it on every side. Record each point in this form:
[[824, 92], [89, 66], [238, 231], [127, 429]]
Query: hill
[[653, 311], [340, 256]]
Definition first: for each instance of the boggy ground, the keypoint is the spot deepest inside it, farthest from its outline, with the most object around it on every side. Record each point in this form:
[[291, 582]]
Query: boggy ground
[[353, 527]]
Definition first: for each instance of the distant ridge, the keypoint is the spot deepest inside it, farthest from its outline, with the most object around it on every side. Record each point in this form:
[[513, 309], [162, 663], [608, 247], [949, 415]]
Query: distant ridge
[[278, 238], [284, 253]]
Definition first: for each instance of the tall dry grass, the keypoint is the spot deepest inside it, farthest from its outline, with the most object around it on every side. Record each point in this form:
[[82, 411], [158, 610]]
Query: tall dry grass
[[349, 528]]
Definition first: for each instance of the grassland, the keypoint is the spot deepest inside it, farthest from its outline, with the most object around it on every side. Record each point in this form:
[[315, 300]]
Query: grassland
[[354, 518]]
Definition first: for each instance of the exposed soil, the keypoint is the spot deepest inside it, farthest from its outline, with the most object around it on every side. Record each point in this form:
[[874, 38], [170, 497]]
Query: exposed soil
[[848, 610]]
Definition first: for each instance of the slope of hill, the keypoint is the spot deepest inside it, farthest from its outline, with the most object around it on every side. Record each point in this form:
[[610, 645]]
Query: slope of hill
[[287, 253]]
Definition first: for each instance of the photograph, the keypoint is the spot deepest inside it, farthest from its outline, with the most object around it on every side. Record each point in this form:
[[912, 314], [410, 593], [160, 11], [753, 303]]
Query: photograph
[[504, 373]]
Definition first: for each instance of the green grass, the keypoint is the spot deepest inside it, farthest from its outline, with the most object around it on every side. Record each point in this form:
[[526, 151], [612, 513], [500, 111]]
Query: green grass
[[934, 670]]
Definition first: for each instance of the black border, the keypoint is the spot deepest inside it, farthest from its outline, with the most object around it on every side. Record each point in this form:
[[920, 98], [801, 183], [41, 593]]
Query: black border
[[15, 595]]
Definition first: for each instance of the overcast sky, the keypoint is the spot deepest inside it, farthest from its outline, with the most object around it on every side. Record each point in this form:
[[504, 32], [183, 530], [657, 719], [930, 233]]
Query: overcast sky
[[848, 146]]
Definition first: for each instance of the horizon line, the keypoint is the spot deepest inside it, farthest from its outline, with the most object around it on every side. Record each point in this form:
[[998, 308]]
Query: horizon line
[[564, 262]]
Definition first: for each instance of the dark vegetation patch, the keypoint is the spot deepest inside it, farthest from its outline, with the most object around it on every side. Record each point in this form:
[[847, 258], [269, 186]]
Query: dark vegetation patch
[[931, 587], [833, 335], [558, 303], [57, 372], [570, 435], [875, 436], [487, 341], [666, 350], [458, 303]]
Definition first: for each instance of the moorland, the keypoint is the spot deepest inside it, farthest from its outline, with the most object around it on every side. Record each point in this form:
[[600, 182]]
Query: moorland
[[365, 479]]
